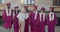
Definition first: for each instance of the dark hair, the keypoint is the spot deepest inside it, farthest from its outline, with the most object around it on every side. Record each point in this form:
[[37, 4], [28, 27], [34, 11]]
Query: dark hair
[[52, 9], [27, 10]]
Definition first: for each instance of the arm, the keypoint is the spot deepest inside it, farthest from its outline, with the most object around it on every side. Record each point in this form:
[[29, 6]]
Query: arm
[[3, 15], [47, 19], [13, 15], [55, 19], [30, 18], [18, 15], [27, 15]]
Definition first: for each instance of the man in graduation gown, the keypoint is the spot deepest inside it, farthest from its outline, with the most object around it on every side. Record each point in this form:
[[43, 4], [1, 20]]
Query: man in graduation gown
[[42, 20], [7, 16], [16, 24], [51, 20], [33, 19]]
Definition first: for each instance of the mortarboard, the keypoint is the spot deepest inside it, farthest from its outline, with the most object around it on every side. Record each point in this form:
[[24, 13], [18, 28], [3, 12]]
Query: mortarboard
[[43, 8]]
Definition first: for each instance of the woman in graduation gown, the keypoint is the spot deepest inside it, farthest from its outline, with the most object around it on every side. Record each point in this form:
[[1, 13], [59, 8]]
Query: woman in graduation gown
[[7, 16], [51, 20], [22, 16], [16, 24], [42, 20]]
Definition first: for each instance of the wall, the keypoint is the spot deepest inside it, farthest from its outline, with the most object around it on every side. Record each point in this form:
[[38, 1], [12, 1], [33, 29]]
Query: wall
[[39, 3], [13, 4], [44, 3]]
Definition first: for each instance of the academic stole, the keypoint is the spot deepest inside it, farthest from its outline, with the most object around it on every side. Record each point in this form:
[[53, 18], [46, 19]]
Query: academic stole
[[36, 15], [42, 16], [51, 16], [8, 12]]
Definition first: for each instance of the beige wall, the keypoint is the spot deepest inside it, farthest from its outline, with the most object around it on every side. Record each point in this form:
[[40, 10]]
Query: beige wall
[[39, 3], [2, 6], [13, 3], [44, 3]]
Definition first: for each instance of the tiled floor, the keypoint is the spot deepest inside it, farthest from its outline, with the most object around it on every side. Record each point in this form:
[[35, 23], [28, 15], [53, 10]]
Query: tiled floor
[[56, 30], [4, 30]]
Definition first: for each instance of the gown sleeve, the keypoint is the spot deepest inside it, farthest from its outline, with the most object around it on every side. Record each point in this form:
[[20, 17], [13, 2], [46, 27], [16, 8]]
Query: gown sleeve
[[13, 15], [55, 19], [18, 15], [27, 15], [3, 15]]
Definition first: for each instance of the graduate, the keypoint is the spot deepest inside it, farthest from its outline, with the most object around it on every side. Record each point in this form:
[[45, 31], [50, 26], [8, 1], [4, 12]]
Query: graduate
[[42, 20], [22, 16], [7, 16], [51, 20], [27, 20], [16, 24], [33, 19]]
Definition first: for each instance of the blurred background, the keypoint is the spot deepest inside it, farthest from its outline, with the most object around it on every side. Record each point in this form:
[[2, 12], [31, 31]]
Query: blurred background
[[30, 3]]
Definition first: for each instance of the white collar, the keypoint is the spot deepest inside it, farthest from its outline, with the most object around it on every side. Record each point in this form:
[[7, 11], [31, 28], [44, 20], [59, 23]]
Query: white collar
[[42, 17], [51, 18], [8, 13]]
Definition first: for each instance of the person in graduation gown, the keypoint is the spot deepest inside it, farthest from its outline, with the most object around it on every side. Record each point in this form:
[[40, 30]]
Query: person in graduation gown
[[7, 16], [33, 19], [27, 20], [16, 25], [51, 20], [42, 20], [22, 16]]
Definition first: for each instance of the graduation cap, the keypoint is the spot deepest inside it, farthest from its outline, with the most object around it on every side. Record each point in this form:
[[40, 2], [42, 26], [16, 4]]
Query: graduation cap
[[35, 7], [16, 7], [8, 4], [43, 8], [52, 8]]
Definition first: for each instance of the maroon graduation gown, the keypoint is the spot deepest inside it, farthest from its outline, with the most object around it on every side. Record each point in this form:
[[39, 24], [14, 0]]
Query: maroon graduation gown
[[7, 19], [51, 24], [16, 24], [27, 23], [42, 22], [34, 23]]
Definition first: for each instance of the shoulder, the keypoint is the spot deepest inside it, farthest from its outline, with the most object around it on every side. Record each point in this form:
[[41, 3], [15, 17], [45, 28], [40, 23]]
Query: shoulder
[[4, 10]]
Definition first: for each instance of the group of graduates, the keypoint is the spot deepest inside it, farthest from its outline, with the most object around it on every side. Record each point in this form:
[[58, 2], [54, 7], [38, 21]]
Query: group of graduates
[[23, 19]]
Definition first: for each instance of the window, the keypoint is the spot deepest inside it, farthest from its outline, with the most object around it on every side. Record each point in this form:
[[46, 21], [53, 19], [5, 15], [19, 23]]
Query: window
[[56, 2], [1, 1], [29, 2]]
